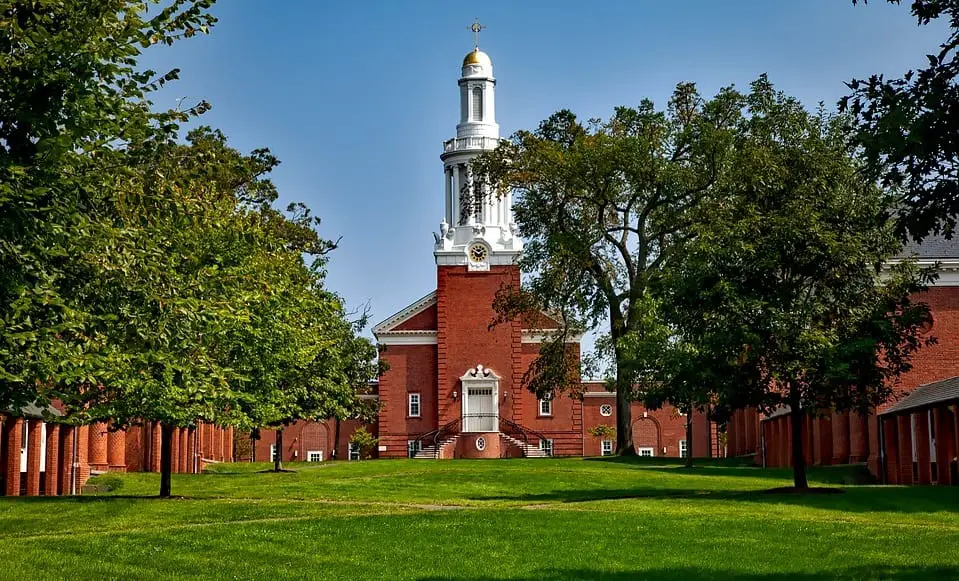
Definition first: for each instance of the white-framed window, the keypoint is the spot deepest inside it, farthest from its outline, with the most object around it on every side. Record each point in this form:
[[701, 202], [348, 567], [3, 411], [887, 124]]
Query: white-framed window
[[646, 452], [683, 449], [546, 446], [413, 409], [354, 451], [314, 455], [272, 452], [606, 410], [546, 405], [607, 447], [412, 447]]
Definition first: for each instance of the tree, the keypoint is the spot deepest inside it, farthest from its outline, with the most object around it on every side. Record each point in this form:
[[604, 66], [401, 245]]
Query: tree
[[602, 206], [783, 289], [906, 127], [365, 442], [72, 104]]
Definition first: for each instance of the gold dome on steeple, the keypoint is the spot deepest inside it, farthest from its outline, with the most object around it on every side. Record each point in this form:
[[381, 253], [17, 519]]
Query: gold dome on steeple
[[477, 57]]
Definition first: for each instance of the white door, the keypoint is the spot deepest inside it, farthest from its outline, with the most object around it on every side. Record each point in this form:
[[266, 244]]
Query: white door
[[480, 413]]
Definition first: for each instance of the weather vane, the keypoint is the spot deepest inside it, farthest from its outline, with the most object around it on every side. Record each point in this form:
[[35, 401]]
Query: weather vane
[[476, 27]]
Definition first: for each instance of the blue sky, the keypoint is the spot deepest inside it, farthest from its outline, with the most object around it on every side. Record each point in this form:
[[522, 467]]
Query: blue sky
[[357, 97]]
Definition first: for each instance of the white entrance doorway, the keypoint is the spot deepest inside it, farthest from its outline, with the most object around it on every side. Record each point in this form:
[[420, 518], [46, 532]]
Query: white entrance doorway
[[480, 400]]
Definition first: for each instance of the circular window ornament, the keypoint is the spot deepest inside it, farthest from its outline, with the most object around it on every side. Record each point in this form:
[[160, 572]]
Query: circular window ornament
[[606, 410], [481, 443], [927, 324]]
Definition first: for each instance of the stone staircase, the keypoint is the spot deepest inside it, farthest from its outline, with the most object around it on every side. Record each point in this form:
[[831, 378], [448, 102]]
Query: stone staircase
[[433, 452], [529, 450]]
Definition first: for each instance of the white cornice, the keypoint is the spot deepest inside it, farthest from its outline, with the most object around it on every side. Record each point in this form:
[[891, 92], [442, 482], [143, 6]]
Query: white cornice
[[404, 315], [406, 338], [599, 394], [948, 269]]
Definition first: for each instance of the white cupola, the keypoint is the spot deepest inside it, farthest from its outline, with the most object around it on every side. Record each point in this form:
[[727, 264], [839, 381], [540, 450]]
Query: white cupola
[[475, 233]]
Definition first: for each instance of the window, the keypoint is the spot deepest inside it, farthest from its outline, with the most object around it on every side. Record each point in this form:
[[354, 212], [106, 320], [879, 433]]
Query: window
[[546, 405], [607, 447], [646, 452], [414, 405], [606, 410], [683, 450], [272, 452], [412, 447], [546, 446], [314, 456], [477, 103], [354, 451]]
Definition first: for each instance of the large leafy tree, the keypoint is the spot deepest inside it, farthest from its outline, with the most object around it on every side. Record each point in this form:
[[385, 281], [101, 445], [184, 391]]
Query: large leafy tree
[[602, 206], [907, 126], [783, 289], [72, 104]]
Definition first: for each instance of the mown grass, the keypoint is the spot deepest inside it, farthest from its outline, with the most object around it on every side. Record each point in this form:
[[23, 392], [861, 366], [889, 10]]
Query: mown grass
[[513, 519]]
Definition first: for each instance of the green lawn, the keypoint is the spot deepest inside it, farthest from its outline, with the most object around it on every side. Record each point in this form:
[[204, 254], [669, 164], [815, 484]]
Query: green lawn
[[502, 519]]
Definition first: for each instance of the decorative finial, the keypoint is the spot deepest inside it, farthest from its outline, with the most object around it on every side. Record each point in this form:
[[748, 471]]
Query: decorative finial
[[476, 27]]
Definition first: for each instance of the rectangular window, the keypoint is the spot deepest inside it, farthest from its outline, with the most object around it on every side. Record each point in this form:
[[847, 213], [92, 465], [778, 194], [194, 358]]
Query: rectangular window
[[646, 452], [607, 447], [272, 452], [354, 452], [412, 447], [546, 406], [414, 405], [546, 446], [314, 456], [683, 450]]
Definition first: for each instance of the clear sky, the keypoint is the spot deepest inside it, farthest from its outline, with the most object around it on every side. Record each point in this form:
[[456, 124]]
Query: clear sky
[[357, 97]]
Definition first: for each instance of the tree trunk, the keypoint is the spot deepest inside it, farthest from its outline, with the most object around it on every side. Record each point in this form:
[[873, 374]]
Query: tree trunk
[[689, 437], [796, 416], [278, 456], [336, 437], [166, 459], [624, 414], [253, 439]]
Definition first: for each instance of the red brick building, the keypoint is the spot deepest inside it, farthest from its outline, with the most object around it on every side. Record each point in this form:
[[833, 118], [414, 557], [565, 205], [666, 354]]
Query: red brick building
[[454, 385], [52, 458], [912, 439]]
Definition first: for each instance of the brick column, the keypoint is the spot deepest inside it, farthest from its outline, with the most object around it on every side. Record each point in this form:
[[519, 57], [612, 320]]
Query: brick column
[[155, 443], [217, 443], [51, 479], [945, 444], [807, 439], [904, 430], [117, 451], [858, 438], [175, 451], [840, 437], [191, 450], [872, 424], [83, 464], [67, 436], [891, 449], [923, 453], [34, 444], [183, 459], [13, 433], [228, 445], [98, 447], [752, 430]]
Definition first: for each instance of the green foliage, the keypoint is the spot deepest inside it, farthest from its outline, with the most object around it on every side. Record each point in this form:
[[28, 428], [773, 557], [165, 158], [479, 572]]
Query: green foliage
[[602, 206], [365, 441], [602, 431], [906, 127], [782, 291]]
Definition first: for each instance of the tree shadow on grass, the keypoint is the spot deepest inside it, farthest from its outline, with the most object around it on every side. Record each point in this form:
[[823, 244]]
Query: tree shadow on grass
[[853, 499], [684, 573]]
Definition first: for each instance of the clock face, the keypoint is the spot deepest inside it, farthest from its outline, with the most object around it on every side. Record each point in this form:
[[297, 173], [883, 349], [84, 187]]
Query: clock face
[[478, 253]]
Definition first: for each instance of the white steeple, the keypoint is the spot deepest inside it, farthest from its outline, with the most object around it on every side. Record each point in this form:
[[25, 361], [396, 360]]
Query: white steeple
[[474, 234]]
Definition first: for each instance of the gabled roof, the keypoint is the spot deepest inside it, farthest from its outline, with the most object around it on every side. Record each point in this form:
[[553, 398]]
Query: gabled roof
[[932, 248], [926, 395], [395, 320]]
